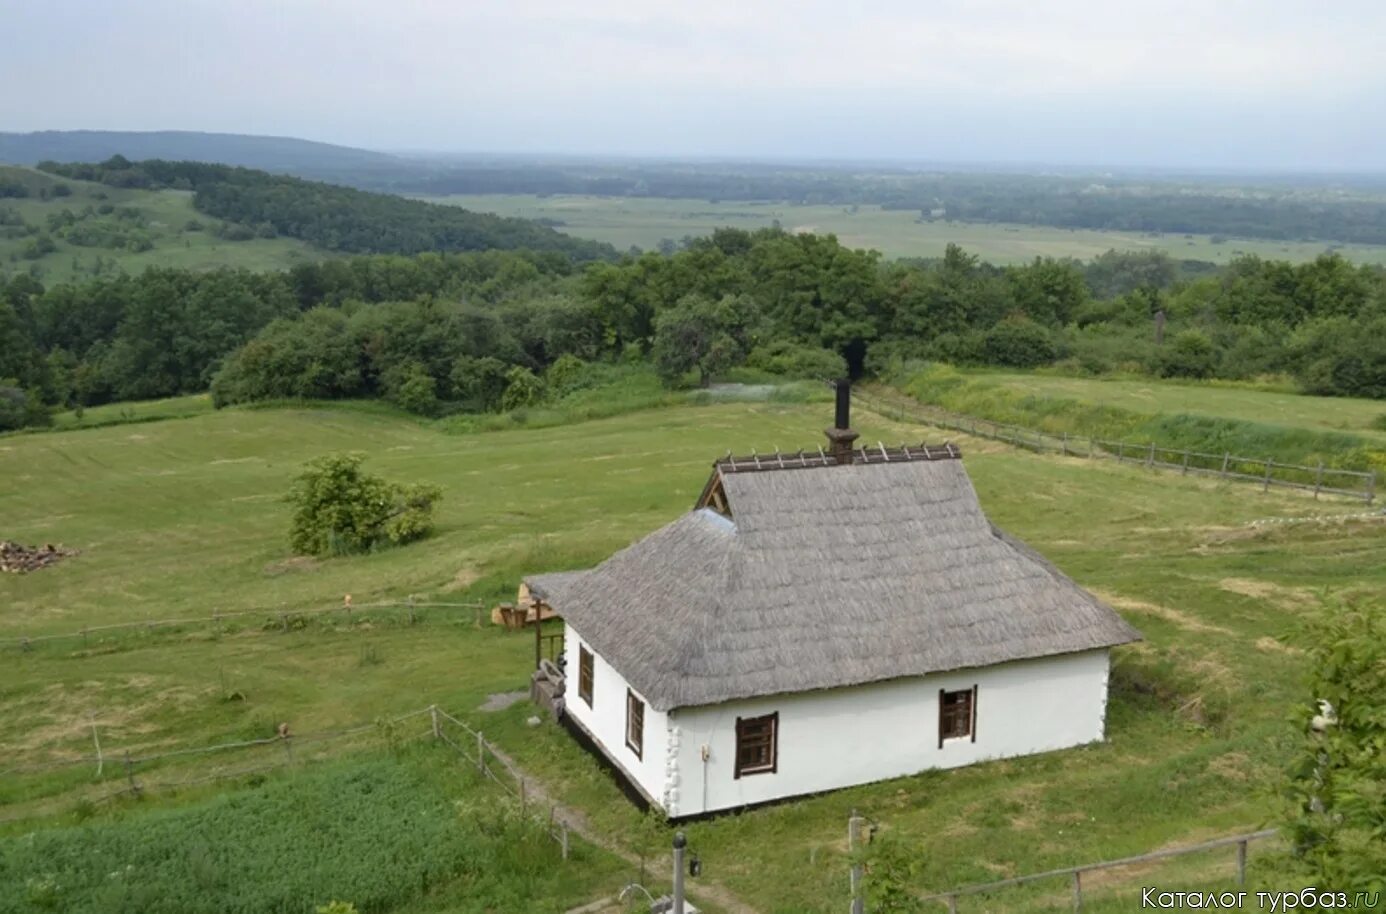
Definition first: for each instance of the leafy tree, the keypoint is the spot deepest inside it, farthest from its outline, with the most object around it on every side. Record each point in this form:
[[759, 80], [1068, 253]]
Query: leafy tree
[[480, 383], [1018, 342], [1191, 354], [698, 333], [783, 357], [1337, 784], [522, 388], [1049, 291], [412, 388], [339, 509]]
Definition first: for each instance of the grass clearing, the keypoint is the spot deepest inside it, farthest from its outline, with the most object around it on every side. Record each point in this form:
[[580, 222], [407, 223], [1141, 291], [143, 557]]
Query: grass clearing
[[645, 221], [181, 516]]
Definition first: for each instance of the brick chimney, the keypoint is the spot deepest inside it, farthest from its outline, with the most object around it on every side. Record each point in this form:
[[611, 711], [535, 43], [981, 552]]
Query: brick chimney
[[841, 435]]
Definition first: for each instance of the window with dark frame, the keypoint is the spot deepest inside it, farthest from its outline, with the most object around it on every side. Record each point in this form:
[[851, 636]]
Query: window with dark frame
[[585, 674], [757, 741], [635, 724], [957, 715]]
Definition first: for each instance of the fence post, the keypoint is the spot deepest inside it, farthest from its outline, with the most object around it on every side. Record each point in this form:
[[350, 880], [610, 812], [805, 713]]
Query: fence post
[[1226, 458], [288, 750], [1186, 461], [1150, 460], [1077, 891], [853, 839], [1371, 487], [1266, 486], [130, 774], [522, 796], [1318, 481], [437, 726], [563, 838], [480, 752], [1241, 863], [100, 762], [952, 904], [1064, 443], [1089, 447], [1121, 452]]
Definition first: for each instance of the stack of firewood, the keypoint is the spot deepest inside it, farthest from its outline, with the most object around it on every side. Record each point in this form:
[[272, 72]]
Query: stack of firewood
[[19, 559]]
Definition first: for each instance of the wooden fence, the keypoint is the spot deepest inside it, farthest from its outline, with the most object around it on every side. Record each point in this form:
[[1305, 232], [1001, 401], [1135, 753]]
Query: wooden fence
[[1320, 479], [124, 773], [1075, 873], [275, 618]]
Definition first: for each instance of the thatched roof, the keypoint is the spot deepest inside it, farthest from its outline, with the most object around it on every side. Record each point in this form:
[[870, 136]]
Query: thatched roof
[[825, 576]]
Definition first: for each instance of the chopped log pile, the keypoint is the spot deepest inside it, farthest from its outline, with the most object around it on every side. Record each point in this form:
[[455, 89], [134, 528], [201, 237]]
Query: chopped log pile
[[19, 559]]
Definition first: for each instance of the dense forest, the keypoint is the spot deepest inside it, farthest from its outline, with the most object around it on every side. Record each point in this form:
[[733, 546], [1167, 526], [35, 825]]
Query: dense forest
[[333, 217], [436, 333]]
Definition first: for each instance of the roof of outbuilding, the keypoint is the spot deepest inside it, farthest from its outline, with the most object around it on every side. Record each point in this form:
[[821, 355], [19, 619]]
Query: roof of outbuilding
[[825, 576]]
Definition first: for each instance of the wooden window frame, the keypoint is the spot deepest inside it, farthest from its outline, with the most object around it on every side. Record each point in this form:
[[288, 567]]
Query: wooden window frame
[[742, 723], [587, 674], [635, 715], [947, 733]]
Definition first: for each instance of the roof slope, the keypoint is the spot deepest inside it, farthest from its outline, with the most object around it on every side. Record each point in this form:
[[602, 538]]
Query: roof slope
[[828, 576]]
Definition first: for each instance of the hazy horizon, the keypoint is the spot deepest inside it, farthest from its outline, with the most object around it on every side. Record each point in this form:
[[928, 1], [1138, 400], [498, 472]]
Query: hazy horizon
[[1273, 86]]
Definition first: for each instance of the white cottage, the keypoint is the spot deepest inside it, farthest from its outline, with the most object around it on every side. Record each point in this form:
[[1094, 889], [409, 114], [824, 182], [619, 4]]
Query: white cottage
[[824, 620]]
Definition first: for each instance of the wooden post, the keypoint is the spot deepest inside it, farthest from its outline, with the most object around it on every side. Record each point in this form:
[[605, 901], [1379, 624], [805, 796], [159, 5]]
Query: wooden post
[[1371, 487], [1064, 443], [952, 904], [1266, 486], [563, 838], [410, 602], [1318, 481], [1121, 452], [288, 750], [1241, 863], [130, 774], [853, 839], [1186, 461], [522, 796], [437, 725], [480, 751], [1226, 458], [100, 762], [538, 638], [1077, 891], [1090, 447], [1150, 460]]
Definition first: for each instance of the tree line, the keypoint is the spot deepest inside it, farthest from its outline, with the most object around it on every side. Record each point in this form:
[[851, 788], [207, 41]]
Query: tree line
[[1129, 204], [495, 330], [333, 217]]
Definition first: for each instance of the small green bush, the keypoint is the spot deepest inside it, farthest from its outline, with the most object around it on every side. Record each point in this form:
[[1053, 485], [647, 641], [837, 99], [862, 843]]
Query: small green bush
[[791, 360], [338, 509]]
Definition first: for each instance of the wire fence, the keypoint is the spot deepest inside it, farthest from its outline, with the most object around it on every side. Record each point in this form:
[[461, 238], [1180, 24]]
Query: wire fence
[[114, 773], [1074, 874], [1263, 471], [279, 617]]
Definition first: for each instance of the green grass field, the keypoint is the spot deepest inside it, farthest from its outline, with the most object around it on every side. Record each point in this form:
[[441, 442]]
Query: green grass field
[[183, 516], [645, 221], [165, 214], [1340, 414]]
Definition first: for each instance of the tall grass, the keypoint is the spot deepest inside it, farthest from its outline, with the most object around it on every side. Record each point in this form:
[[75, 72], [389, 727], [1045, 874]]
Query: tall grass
[[943, 386], [375, 831]]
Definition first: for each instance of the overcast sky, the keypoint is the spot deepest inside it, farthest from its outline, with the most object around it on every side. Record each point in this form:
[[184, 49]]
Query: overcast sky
[[1211, 83]]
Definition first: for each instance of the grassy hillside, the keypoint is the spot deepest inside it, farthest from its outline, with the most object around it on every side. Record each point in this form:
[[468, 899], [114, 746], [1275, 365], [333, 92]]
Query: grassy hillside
[[95, 230], [1343, 414], [181, 517], [645, 221], [1291, 428]]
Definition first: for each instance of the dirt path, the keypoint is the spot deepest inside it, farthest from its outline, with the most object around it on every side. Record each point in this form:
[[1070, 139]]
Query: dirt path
[[536, 791]]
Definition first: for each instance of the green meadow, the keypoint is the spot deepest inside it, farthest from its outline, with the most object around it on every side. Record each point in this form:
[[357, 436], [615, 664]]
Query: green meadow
[[645, 221], [177, 235], [184, 516]]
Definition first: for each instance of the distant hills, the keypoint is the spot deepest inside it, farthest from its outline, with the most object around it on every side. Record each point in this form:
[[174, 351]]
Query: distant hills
[[268, 153]]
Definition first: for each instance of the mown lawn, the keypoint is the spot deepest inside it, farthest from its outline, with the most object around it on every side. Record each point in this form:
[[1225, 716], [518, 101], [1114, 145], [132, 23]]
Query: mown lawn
[[181, 517]]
